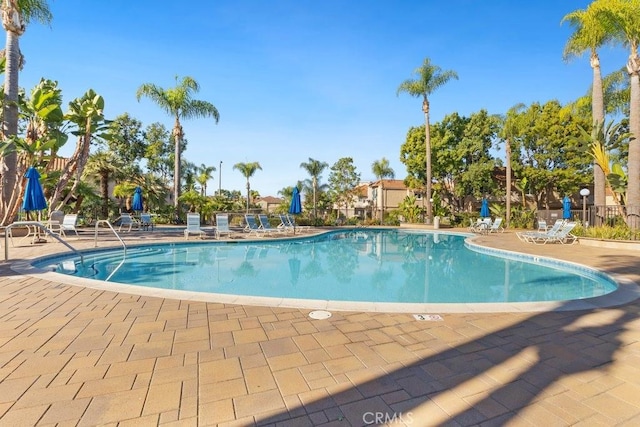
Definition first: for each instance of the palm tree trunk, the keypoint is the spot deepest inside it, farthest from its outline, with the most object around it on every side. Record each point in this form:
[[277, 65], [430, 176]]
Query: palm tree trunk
[[597, 113], [10, 125], [315, 201], [248, 194], [104, 189], [177, 135], [633, 190], [176, 177], [382, 203], [68, 171], [427, 141], [78, 162], [508, 170]]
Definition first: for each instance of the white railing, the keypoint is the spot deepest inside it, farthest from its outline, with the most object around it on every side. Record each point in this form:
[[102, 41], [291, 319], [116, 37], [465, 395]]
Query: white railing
[[28, 224], [95, 236], [124, 246]]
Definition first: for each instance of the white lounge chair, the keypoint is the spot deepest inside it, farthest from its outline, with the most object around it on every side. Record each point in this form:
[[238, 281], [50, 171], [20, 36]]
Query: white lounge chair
[[496, 226], [146, 223], [563, 235], [531, 236], [69, 224], [222, 225], [126, 220], [482, 225], [252, 226], [285, 225], [292, 222], [265, 225], [193, 226], [55, 222], [542, 226]]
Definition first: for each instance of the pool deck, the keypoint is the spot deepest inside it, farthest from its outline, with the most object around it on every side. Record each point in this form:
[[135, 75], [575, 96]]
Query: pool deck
[[78, 356]]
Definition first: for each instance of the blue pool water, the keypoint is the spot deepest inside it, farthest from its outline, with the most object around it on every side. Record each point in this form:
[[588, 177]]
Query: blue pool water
[[407, 266]]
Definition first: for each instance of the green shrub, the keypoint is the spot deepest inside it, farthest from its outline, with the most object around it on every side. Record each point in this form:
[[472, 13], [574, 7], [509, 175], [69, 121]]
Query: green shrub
[[619, 231], [522, 218], [354, 220], [392, 218], [372, 221], [409, 210]]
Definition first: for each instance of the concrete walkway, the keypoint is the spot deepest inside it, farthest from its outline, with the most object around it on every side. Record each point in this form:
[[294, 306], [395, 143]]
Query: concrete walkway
[[74, 356]]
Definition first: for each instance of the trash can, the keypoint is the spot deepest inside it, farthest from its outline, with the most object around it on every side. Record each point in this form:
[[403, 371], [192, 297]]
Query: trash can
[[436, 222]]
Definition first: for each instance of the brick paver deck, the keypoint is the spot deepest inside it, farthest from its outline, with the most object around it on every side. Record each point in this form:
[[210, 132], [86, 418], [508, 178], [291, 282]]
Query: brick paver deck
[[74, 356]]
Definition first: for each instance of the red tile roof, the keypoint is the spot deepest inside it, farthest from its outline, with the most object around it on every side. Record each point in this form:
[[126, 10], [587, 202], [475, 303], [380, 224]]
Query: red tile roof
[[390, 184]]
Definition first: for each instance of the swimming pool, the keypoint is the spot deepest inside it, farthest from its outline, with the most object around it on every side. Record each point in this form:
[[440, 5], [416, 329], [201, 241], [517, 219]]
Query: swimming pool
[[364, 265]]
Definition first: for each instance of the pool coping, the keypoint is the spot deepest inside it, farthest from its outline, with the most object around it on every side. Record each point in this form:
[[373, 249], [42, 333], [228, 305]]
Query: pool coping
[[626, 292]]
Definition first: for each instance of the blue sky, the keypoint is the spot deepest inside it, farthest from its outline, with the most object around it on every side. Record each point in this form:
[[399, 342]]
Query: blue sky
[[298, 79]]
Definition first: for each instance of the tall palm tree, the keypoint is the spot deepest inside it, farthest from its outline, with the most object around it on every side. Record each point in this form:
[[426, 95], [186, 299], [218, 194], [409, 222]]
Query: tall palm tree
[[178, 102], [314, 168], [625, 17], [16, 14], [247, 170], [429, 78], [382, 170], [590, 33], [205, 173], [510, 130]]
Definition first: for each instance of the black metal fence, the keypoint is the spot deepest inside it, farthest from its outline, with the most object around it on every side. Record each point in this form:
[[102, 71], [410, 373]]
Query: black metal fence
[[596, 216]]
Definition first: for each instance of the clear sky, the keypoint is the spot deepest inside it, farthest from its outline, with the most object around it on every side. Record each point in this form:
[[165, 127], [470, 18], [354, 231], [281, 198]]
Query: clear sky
[[297, 79]]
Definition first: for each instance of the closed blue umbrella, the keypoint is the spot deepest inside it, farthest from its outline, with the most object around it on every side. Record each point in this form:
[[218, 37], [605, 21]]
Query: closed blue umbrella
[[33, 199], [296, 205], [566, 208], [137, 200], [484, 210]]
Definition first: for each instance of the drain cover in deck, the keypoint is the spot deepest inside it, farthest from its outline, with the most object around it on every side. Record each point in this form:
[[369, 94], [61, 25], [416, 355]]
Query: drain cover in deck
[[320, 314], [428, 317]]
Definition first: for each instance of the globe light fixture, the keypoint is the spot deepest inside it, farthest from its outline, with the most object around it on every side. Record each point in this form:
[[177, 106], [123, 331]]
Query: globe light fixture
[[584, 193]]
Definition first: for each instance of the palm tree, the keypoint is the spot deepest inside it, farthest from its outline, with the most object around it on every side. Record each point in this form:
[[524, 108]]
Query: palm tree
[[590, 33], [124, 192], [179, 103], [625, 17], [189, 172], [16, 14], [103, 166], [314, 168], [429, 78], [154, 190], [382, 170], [510, 130], [205, 173], [247, 170]]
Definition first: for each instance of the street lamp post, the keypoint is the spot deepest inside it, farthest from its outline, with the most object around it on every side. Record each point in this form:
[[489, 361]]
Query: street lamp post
[[584, 193], [220, 180]]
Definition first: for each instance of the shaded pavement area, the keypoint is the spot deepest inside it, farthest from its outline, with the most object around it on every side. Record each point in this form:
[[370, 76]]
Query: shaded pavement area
[[74, 356]]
